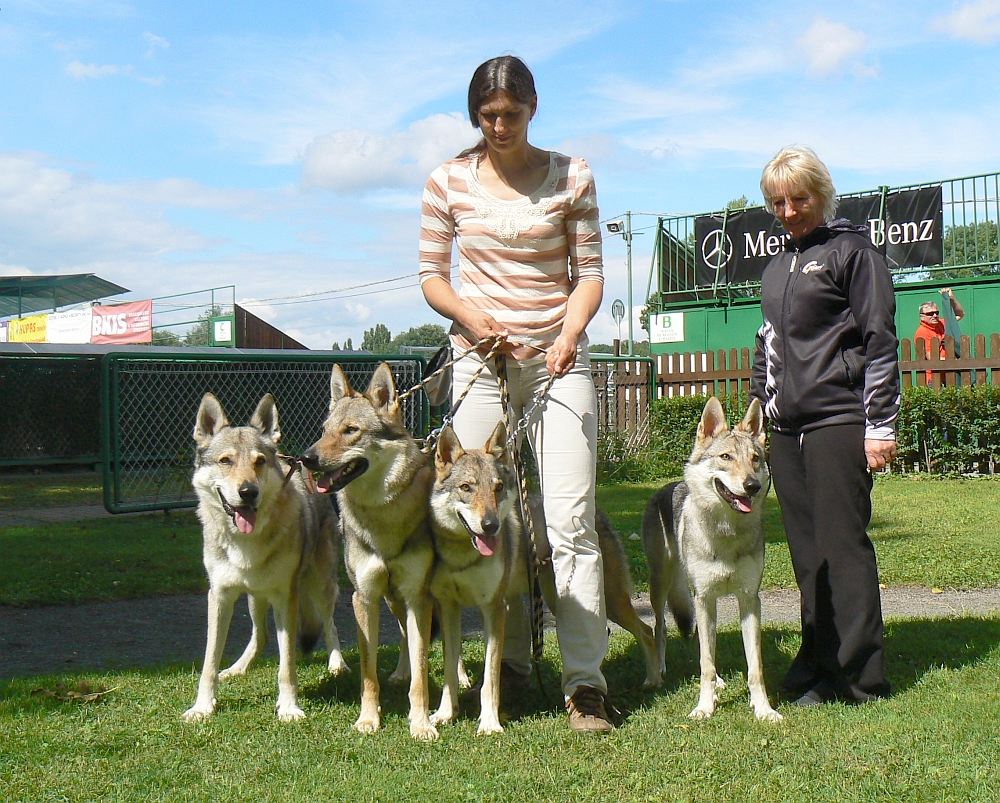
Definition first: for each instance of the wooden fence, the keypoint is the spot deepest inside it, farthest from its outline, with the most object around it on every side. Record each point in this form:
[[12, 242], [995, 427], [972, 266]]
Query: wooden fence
[[720, 373], [623, 396]]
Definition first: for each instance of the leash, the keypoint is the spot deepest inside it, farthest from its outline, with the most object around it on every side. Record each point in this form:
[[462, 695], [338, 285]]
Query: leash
[[533, 564], [432, 437]]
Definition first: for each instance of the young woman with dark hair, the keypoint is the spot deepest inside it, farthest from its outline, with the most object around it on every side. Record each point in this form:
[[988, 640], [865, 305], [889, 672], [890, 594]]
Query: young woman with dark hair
[[530, 268]]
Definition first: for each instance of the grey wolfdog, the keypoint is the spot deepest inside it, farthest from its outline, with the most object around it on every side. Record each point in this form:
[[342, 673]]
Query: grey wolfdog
[[482, 548], [268, 538], [382, 481], [708, 531]]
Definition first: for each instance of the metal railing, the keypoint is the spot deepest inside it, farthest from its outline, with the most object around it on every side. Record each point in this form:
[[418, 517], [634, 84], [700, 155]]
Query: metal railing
[[149, 404], [971, 213]]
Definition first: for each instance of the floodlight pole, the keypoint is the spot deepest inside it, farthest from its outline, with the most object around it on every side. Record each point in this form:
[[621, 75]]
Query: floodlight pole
[[628, 266]]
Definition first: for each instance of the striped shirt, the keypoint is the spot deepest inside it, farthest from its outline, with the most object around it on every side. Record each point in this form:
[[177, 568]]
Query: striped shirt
[[518, 260]]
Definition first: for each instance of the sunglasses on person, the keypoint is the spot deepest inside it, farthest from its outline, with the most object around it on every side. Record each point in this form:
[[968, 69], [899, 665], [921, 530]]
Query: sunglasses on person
[[931, 313]]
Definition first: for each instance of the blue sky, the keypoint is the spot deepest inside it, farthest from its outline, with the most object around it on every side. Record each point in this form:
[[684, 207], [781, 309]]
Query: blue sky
[[282, 147]]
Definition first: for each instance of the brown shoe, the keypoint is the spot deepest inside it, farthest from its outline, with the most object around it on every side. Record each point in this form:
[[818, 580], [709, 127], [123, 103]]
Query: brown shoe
[[587, 712]]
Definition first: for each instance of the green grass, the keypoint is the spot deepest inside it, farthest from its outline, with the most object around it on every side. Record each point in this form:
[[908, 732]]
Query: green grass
[[101, 559], [19, 491], [928, 532], [934, 740]]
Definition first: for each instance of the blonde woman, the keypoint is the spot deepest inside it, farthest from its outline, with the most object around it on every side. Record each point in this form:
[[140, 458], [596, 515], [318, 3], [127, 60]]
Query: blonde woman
[[825, 372]]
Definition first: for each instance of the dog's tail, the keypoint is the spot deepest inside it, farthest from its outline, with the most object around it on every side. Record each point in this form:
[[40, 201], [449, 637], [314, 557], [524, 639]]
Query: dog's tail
[[659, 540], [679, 599], [310, 625]]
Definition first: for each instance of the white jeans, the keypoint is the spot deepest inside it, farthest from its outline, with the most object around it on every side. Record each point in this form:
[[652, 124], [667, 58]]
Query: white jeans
[[563, 437]]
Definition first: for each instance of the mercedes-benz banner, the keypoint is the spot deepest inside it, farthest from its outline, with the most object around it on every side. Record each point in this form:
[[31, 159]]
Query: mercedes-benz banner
[[909, 234]]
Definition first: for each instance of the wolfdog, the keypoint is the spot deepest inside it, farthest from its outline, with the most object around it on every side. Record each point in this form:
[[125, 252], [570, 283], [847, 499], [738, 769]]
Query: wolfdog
[[708, 531], [382, 481], [482, 548], [267, 537]]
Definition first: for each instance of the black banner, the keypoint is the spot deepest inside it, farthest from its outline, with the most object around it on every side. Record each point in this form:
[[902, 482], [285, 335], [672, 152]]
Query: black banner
[[909, 235]]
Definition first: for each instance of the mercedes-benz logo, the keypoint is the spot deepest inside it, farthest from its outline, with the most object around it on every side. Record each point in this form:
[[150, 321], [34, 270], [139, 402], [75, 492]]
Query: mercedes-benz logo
[[716, 249]]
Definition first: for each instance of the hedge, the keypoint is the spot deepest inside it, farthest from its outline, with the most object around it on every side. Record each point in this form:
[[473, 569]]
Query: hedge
[[949, 431]]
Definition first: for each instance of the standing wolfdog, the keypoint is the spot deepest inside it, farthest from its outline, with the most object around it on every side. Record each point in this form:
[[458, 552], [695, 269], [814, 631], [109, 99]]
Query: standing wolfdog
[[268, 538], [482, 548], [708, 531], [382, 481]]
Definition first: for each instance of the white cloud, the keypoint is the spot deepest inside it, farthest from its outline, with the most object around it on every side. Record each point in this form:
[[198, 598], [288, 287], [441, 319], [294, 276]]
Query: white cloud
[[827, 45], [978, 22], [358, 311], [80, 71], [155, 43], [355, 161]]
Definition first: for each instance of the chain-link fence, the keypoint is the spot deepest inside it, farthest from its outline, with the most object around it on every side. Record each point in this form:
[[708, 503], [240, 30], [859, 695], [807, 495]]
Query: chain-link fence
[[149, 404], [48, 414]]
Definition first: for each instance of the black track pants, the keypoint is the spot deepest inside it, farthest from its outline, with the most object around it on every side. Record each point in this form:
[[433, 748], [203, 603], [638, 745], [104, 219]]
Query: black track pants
[[824, 489]]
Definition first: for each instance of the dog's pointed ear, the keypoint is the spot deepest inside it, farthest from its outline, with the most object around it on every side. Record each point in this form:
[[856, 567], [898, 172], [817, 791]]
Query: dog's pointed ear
[[496, 444], [753, 422], [448, 450], [265, 418], [339, 386], [382, 389], [209, 421], [713, 422]]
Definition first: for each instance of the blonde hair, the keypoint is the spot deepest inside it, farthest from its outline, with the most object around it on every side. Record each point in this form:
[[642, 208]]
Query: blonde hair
[[797, 167]]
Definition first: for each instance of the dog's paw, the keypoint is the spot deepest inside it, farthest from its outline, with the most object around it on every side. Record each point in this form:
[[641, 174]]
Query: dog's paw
[[400, 677], [652, 683], [289, 712], [767, 714], [702, 712], [488, 728], [236, 670], [719, 682], [464, 682], [337, 665], [367, 724], [445, 715], [199, 712], [423, 731]]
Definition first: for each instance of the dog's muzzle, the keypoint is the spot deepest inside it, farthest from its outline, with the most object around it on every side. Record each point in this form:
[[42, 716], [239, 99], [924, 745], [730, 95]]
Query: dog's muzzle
[[244, 516], [337, 480], [739, 503], [486, 545]]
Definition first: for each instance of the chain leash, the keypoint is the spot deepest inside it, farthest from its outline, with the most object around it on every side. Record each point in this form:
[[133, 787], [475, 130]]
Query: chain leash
[[533, 565]]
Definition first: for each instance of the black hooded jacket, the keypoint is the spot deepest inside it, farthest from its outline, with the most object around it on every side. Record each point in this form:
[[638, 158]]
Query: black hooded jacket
[[826, 353]]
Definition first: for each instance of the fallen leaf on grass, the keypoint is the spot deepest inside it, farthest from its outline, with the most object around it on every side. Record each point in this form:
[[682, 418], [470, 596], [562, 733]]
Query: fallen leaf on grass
[[82, 693], [937, 591]]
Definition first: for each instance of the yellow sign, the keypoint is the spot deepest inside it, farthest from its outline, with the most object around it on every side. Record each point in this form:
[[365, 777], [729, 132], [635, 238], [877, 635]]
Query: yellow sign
[[27, 330]]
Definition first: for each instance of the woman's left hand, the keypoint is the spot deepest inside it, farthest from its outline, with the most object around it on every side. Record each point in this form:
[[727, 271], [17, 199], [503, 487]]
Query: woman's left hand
[[879, 453], [561, 355]]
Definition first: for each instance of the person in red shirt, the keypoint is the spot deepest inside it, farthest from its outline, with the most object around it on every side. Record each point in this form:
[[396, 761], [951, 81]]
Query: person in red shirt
[[931, 326]]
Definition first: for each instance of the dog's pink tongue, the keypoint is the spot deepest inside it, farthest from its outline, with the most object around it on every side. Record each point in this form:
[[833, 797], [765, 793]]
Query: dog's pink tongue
[[245, 519], [486, 544], [742, 504]]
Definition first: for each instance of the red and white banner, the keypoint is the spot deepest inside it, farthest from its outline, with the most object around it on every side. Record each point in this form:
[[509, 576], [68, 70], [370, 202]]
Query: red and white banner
[[123, 323]]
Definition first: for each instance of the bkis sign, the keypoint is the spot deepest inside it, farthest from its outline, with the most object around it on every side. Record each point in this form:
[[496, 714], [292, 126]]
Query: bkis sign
[[123, 323]]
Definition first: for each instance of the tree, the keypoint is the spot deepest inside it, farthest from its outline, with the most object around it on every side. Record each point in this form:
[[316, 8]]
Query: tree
[[164, 337], [739, 203], [348, 346], [335, 346], [198, 335], [428, 334], [973, 244], [377, 339]]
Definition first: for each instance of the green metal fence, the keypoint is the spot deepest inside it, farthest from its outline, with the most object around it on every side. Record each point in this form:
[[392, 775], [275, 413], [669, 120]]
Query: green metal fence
[[149, 404], [971, 211], [48, 415]]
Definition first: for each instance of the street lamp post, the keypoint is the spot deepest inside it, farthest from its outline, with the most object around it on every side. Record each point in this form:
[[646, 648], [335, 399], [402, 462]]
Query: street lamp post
[[625, 230]]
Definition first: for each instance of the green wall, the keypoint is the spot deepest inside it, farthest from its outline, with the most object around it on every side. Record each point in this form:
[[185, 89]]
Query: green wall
[[708, 326]]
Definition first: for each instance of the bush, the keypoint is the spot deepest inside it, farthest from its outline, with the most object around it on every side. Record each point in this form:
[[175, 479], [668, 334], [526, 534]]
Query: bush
[[950, 431]]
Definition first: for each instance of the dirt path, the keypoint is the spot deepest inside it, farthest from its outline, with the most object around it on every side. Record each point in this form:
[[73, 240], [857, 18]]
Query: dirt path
[[148, 632]]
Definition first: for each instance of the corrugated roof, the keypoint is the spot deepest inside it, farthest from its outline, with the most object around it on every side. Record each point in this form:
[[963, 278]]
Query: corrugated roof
[[24, 295]]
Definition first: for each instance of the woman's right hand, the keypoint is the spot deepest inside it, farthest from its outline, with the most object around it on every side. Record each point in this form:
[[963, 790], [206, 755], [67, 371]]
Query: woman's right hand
[[481, 325]]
